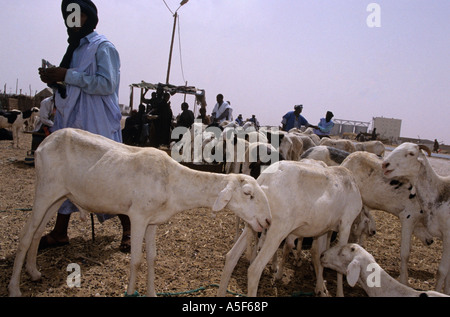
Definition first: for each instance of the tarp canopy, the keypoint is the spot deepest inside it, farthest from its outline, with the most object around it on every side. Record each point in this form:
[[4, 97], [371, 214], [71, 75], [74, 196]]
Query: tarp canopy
[[171, 89]]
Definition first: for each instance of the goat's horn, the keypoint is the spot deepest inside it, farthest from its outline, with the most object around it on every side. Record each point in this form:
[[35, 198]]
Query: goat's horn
[[425, 148]]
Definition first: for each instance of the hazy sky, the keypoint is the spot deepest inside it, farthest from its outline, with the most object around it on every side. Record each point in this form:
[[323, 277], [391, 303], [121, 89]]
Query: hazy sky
[[264, 56]]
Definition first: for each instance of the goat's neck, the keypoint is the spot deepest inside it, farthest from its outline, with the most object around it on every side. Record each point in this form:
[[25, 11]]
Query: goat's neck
[[388, 286], [427, 184], [199, 189]]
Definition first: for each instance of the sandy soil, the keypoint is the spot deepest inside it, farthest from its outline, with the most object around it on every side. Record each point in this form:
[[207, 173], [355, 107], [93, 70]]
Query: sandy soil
[[191, 249]]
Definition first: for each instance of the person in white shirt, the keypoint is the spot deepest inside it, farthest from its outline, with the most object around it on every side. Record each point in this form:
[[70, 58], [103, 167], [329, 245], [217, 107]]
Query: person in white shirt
[[46, 114], [222, 111], [43, 126]]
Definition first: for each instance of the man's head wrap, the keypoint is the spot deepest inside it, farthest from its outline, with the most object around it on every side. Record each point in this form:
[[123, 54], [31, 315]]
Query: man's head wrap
[[88, 8]]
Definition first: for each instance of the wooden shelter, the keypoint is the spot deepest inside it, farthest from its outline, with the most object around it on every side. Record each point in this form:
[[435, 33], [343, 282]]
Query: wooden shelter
[[200, 97]]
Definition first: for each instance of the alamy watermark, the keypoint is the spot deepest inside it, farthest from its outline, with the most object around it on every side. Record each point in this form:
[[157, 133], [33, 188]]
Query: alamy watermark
[[374, 18], [374, 278], [74, 18], [74, 278]]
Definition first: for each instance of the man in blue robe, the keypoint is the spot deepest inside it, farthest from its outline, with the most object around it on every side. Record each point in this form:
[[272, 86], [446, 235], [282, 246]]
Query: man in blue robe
[[293, 119], [86, 97]]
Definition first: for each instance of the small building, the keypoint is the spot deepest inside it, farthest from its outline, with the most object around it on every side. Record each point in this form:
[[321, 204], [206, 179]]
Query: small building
[[387, 128], [342, 126]]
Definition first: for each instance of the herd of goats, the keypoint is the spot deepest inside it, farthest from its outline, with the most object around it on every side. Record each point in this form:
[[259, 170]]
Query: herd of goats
[[314, 187]]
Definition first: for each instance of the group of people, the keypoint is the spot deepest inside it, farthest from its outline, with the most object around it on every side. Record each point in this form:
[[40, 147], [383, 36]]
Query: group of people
[[152, 123], [294, 119], [154, 120], [86, 86]]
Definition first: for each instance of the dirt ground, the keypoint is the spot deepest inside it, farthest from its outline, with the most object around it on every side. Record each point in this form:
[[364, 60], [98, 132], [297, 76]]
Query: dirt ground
[[191, 250]]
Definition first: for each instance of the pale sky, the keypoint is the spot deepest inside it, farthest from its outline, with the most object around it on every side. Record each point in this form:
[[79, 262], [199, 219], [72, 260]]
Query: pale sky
[[264, 56]]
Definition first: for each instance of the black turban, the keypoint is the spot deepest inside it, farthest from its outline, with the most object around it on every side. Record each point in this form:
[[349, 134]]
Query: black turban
[[88, 8]]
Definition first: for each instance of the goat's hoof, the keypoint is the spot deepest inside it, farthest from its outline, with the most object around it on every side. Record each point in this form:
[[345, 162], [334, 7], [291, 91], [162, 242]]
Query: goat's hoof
[[278, 276], [35, 276], [34, 273], [322, 292], [14, 292]]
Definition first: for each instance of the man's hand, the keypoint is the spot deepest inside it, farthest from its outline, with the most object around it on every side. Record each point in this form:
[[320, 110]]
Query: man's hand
[[52, 75]]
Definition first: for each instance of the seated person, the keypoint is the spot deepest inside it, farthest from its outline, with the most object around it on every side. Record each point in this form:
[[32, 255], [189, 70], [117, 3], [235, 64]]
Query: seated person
[[325, 125], [43, 126], [186, 118]]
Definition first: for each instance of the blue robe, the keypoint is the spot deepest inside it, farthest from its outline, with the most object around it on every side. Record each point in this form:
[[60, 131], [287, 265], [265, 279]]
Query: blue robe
[[92, 102]]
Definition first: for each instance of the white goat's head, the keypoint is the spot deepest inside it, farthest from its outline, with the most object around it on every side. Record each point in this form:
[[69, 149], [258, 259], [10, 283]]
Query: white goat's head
[[405, 161], [244, 196], [346, 260]]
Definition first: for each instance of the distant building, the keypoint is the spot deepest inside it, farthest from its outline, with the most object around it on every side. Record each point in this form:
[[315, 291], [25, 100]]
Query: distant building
[[387, 128], [342, 126]]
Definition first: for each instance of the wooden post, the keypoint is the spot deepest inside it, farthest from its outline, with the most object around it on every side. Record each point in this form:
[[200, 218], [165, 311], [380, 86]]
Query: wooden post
[[171, 46]]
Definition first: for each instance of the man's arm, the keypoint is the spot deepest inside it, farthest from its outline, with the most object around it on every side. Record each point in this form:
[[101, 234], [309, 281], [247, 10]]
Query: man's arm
[[106, 79]]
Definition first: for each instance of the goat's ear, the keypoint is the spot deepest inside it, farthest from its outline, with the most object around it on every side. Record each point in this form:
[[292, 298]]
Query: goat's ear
[[224, 198], [353, 270], [247, 189]]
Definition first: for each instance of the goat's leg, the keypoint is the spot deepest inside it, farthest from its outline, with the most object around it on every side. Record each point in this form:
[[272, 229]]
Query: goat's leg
[[150, 245], [447, 281], [231, 260], [259, 241], [344, 234], [289, 245], [15, 133], [319, 245], [407, 226], [273, 240], [252, 249], [442, 283], [24, 244], [39, 215], [138, 228], [297, 251], [238, 228], [30, 265]]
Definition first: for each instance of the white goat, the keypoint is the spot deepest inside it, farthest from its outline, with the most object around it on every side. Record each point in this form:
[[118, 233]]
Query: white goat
[[379, 193], [257, 157], [375, 147], [100, 175], [433, 193], [291, 146], [341, 144], [309, 132], [360, 266], [320, 199], [364, 226], [329, 155]]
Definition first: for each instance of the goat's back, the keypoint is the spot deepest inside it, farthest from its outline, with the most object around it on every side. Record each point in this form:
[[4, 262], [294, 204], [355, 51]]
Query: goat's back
[[76, 159], [312, 195]]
